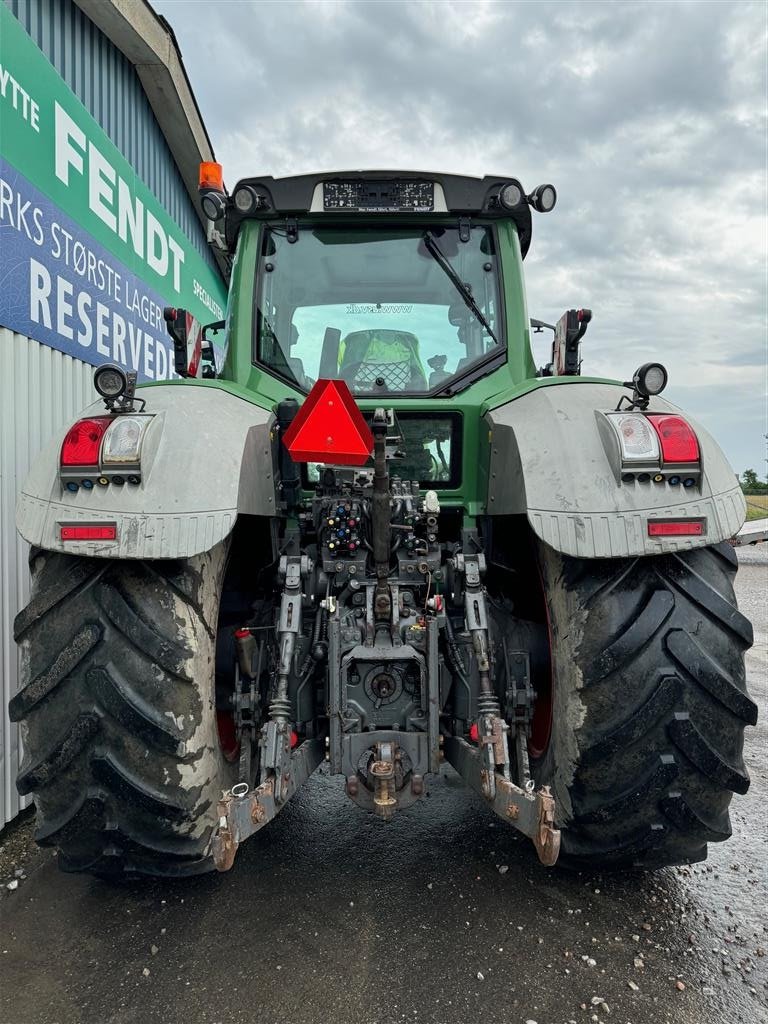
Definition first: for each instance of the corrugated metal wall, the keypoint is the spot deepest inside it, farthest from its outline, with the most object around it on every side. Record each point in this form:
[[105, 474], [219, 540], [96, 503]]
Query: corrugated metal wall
[[41, 389], [104, 81]]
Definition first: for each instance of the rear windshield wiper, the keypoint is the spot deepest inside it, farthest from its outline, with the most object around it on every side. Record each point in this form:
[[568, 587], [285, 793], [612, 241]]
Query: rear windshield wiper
[[461, 288]]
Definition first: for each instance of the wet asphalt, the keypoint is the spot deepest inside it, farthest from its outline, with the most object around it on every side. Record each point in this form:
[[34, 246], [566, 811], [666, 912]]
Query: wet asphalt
[[442, 917]]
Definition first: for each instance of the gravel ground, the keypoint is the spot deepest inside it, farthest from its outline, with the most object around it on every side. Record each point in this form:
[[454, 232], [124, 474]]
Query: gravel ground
[[441, 917]]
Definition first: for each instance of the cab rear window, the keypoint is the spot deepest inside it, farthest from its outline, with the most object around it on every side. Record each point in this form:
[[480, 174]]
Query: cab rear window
[[431, 447], [380, 309]]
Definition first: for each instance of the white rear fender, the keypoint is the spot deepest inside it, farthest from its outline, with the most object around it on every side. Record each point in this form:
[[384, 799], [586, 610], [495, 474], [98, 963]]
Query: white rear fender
[[554, 458], [206, 457]]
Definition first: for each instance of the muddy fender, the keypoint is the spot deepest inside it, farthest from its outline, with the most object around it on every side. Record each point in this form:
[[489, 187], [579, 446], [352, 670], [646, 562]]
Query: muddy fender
[[206, 457], [551, 459]]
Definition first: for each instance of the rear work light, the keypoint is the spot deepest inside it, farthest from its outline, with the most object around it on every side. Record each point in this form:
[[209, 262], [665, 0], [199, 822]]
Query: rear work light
[[82, 445], [90, 531], [676, 527], [678, 441]]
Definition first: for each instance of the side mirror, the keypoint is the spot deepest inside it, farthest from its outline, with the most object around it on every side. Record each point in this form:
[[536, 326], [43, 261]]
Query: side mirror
[[208, 354], [187, 339]]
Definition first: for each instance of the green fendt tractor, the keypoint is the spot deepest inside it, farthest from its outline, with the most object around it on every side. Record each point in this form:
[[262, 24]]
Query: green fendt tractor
[[366, 529]]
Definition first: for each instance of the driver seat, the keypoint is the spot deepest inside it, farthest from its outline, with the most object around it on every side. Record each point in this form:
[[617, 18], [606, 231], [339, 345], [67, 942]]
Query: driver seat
[[392, 356]]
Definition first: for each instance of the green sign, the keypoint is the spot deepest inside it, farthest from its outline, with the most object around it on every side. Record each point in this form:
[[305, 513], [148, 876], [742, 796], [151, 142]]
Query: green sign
[[88, 254]]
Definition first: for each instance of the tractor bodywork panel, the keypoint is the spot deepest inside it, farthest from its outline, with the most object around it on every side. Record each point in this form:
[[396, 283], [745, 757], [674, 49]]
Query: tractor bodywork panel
[[206, 457], [553, 458]]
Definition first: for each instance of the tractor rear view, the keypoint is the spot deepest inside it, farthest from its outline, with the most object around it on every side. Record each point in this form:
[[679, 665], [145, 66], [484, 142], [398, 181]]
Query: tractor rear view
[[361, 526]]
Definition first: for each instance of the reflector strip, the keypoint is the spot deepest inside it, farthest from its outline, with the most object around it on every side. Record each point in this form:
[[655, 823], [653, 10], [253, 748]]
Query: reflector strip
[[676, 527], [102, 531]]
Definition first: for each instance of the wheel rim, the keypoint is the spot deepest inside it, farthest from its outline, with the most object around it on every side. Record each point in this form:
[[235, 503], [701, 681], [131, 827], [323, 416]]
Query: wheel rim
[[541, 726], [228, 741], [226, 684]]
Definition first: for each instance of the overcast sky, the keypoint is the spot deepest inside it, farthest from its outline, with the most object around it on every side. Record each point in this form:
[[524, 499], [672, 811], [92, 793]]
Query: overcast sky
[[649, 118]]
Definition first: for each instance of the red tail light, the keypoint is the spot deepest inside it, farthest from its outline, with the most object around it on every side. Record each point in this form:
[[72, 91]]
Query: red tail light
[[83, 442], [676, 528], [678, 441], [102, 531]]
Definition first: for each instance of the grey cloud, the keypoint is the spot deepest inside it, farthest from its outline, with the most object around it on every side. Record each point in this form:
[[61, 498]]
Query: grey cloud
[[659, 60]]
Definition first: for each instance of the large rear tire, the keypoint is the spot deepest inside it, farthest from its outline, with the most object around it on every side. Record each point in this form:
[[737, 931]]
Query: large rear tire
[[117, 711], [649, 705]]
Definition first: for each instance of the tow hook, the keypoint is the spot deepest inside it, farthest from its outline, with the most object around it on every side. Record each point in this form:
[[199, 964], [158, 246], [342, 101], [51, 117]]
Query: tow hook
[[382, 771]]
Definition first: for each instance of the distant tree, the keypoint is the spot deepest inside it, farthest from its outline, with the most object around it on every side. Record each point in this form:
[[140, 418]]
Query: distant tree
[[749, 479], [750, 483]]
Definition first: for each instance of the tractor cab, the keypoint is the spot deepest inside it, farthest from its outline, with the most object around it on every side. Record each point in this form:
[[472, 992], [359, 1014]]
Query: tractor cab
[[403, 284]]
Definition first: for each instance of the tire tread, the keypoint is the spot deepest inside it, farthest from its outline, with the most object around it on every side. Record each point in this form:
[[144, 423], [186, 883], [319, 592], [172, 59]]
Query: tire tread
[[110, 709], [660, 676]]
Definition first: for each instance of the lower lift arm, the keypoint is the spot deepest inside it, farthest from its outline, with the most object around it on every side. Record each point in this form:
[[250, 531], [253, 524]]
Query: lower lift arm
[[486, 767], [531, 813]]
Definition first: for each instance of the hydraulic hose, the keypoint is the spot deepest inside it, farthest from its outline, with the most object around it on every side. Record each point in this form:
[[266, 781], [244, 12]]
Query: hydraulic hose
[[453, 652]]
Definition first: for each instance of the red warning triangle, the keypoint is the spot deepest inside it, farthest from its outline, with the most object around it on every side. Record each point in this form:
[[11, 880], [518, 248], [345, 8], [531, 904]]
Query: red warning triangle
[[329, 427]]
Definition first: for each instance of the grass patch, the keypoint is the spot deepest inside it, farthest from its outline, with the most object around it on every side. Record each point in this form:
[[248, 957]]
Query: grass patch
[[757, 506]]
